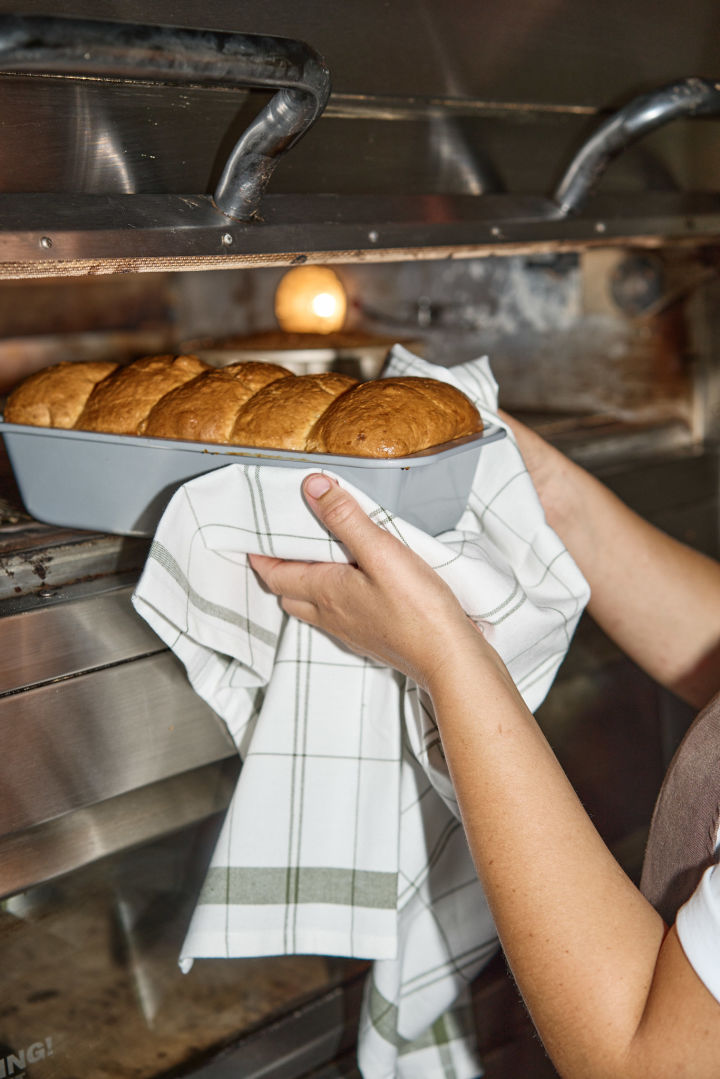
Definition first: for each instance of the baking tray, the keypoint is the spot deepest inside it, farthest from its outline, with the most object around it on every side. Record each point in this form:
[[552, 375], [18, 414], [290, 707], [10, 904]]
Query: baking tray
[[122, 484]]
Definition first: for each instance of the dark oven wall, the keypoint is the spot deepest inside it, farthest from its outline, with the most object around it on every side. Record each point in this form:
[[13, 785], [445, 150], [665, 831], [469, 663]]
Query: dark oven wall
[[423, 99], [439, 133]]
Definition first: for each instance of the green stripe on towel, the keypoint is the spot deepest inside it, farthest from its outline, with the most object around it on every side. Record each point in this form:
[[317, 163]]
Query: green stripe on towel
[[348, 887]]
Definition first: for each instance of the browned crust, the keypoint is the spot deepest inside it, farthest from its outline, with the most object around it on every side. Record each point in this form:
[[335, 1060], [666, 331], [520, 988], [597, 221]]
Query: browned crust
[[251, 403], [55, 396], [205, 409], [394, 417], [120, 403], [282, 415]]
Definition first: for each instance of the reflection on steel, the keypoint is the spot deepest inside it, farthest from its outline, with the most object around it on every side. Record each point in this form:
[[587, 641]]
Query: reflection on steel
[[80, 741], [61, 639], [105, 744], [687, 97], [462, 165], [97, 149], [39, 854], [162, 54]]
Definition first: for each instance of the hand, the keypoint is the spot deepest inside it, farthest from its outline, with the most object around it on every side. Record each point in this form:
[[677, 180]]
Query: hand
[[389, 605]]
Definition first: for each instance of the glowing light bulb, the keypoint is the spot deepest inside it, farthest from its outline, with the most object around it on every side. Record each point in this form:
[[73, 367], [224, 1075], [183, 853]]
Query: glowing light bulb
[[310, 299], [324, 305]]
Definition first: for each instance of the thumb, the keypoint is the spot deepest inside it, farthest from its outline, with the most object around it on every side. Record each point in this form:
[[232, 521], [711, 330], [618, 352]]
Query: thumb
[[343, 516]]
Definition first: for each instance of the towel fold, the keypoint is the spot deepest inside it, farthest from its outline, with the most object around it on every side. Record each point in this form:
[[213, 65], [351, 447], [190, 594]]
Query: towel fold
[[343, 835]]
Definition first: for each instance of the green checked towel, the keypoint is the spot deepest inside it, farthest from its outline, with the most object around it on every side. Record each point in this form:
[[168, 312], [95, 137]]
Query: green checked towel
[[343, 836]]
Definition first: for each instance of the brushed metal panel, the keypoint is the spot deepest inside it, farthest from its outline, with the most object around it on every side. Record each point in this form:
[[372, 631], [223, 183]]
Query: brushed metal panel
[[74, 743], [39, 854], [443, 103], [539, 50], [123, 140], [68, 638]]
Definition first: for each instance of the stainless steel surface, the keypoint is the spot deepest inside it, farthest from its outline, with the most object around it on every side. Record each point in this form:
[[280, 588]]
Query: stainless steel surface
[[87, 739], [110, 747], [687, 97], [40, 853], [46, 562], [90, 971], [58, 640], [90, 48], [153, 233], [467, 50], [438, 110]]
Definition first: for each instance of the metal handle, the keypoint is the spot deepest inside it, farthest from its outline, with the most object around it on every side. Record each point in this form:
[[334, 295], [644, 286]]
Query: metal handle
[[49, 45], [688, 97]]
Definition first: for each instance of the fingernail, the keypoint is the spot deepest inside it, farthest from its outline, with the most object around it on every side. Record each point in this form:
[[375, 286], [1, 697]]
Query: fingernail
[[317, 485]]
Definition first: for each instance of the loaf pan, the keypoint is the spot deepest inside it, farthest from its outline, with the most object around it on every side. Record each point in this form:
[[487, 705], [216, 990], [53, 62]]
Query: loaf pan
[[121, 484]]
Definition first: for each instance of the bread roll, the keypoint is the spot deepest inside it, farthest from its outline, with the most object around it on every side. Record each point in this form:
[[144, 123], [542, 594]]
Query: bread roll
[[55, 396], [393, 417], [119, 403], [282, 414], [251, 403], [205, 409]]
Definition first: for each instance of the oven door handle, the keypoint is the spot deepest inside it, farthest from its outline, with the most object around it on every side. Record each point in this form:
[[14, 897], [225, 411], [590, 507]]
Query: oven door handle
[[687, 97], [49, 45]]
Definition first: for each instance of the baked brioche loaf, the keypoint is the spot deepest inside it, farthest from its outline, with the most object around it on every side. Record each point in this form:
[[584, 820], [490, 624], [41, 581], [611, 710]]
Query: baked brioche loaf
[[282, 415], [206, 407], [246, 404], [393, 417], [120, 403], [55, 396]]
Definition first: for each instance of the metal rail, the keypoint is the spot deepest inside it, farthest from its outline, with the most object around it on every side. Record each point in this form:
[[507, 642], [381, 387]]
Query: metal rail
[[687, 97]]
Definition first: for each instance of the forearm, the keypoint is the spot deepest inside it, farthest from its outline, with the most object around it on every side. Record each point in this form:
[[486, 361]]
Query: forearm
[[611, 993], [581, 941], [658, 599]]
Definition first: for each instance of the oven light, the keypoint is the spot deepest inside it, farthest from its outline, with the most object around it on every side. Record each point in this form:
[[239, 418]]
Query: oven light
[[310, 299], [324, 305]]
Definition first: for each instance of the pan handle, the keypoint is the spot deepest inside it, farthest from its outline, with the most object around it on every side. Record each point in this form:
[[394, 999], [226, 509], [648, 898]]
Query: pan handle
[[49, 45], [687, 97]]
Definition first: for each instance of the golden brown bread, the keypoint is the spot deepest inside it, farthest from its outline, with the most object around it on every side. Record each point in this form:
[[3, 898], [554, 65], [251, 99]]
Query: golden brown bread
[[205, 409], [282, 414], [119, 403], [247, 404], [393, 417], [55, 396]]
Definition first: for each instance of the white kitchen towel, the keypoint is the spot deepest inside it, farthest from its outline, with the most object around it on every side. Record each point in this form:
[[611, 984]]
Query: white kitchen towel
[[343, 836]]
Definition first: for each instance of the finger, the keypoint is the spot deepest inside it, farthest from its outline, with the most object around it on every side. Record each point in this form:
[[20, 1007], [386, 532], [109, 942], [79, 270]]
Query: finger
[[344, 517], [302, 609], [263, 565], [283, 577]]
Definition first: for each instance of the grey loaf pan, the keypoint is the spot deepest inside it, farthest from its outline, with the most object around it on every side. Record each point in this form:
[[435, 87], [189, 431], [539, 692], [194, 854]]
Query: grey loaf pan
[[122, 484]]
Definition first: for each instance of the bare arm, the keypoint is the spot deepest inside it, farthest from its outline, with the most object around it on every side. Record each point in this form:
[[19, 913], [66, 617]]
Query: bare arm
[[608, 987], [658, 599]]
